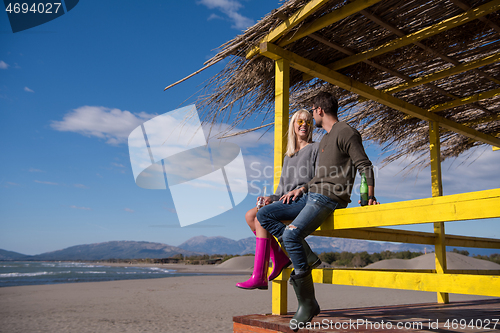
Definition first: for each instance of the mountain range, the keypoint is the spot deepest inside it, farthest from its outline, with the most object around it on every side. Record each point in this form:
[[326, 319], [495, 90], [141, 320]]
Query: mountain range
[[103, 251], [211, 245]]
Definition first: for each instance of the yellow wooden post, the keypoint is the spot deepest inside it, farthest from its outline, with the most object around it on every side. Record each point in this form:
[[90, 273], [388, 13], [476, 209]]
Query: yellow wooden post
[[281, 101], [437, 190]]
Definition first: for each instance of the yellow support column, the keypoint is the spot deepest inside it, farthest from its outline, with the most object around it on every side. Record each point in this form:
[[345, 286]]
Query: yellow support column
[[437, 190], [281, 103]]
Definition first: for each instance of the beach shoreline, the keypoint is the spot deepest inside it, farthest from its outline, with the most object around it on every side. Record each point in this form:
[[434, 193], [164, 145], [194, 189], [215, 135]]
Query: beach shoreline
[[198, 303], [181, 268]]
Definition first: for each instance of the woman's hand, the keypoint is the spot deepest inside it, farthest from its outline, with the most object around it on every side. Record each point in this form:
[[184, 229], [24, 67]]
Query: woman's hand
[[292, 195], [267, 200]]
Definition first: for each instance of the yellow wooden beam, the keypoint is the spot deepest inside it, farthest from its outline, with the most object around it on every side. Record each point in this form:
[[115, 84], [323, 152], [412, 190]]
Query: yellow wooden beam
[[465, 100], [466, 241], [440, 257], [456, 207], [482, 120], [327, 20], [475, 271], [437, 191], [435, 150], [379, 234], [406, 236], [310, 67], [289, 23], [435, 29], [485, 285], [445, 73], [281, 104], [450, 271], [280, 293]]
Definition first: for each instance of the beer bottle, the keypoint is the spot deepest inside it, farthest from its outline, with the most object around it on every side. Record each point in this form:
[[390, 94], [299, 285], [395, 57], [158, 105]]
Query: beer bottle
[[260, 200], [363, 190]]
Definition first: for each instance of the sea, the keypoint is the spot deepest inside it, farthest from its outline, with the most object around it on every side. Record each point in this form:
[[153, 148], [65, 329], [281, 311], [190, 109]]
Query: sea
[[23, 273]]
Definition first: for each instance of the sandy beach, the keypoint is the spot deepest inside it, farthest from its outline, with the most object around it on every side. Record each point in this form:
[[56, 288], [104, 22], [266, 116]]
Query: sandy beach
[[176, 304]]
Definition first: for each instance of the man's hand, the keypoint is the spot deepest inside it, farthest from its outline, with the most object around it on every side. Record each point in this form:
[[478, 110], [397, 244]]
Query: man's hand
[[370, 202], [292, 195]]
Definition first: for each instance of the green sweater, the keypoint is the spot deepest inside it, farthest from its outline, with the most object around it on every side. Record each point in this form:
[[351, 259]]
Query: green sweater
[[340, 154]]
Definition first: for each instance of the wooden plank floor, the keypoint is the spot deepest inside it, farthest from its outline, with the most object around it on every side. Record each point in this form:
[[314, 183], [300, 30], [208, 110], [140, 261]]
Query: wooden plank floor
[[469, 316]]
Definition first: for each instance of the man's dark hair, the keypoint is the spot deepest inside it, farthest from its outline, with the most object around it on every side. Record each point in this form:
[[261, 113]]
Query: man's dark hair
[[327, 102]]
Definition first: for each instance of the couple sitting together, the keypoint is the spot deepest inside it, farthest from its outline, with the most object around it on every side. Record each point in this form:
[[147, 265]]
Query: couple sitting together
[[316, 179]]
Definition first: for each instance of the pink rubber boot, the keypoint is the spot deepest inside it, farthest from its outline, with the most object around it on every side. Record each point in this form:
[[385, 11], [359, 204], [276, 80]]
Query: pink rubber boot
[[279, 258], [258, 280]]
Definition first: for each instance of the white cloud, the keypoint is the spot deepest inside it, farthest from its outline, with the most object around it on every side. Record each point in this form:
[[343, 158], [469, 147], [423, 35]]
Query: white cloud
[[113, 125], [240, 22], [214, 17], [46, 183], [80, 186], [81, 208], [469, 172], [230, 8], [3, 65], [129, 210], [28, 90]]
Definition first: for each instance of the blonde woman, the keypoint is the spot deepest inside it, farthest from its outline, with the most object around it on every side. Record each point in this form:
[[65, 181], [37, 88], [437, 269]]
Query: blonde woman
[[298, 169]]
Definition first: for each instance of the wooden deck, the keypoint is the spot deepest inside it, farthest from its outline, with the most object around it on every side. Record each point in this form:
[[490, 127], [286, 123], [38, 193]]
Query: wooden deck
[[470, 316]]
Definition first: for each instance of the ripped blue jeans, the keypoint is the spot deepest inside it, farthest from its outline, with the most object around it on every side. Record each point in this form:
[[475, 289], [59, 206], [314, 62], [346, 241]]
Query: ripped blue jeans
[[317, 208]]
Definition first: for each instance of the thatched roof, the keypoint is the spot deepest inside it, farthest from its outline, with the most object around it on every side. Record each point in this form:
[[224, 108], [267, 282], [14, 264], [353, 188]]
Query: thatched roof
[[246, 86]]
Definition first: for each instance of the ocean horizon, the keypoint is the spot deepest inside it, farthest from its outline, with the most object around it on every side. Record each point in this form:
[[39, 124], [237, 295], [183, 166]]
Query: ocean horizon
[[24, 273]]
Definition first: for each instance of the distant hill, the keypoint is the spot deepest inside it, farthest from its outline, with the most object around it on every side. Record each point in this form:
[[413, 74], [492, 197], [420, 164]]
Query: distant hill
[[219, 245], [222, 245], [453, 261], [213, 245], [9, 255], [329, 244], [114, 250]]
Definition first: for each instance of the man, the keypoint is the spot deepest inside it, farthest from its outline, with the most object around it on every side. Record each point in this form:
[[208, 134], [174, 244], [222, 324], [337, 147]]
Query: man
[[340, 154]]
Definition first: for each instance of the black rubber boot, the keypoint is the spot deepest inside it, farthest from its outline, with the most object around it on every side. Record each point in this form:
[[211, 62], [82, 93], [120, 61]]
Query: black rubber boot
[[308, 306], [312, 259]]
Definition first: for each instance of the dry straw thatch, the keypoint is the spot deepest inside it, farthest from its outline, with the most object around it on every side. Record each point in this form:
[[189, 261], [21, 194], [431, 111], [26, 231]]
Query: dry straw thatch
[[245, 87]]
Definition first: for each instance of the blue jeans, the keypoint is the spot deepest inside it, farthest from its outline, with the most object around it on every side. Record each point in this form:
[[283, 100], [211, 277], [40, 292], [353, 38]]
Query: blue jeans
[[270, 216], [317, 208]]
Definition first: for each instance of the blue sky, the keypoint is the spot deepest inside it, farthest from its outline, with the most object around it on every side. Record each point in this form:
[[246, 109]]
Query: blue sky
[[72, 90]]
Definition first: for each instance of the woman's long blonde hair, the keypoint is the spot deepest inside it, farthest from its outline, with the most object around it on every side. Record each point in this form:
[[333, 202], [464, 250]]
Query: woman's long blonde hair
[[292, 137]]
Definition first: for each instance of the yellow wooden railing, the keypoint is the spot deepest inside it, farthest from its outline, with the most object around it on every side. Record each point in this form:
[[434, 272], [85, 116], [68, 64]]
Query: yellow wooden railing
[[365, 222]]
